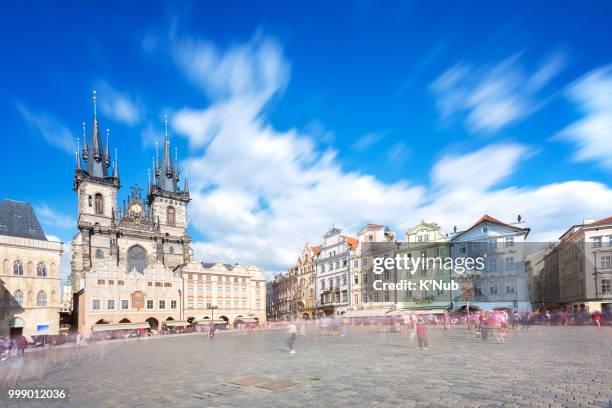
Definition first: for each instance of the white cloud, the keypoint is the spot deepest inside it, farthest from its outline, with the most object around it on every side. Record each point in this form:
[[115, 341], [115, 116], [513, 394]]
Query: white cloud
[[50, 217], [592, 134], [49, 128], [399, 153], [260, 193], [478, 170], [492, 98], [119, 106]]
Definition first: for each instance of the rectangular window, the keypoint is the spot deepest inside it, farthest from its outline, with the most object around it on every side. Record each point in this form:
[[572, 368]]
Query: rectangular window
[[509, 288], [101, 281], [173, 304], [199, 277], [510, 263], [322, 283], [355, 263], [125, 304], [385, 296], [492, 264], [605, 262], [344, 280], [159, 284], [190, 304], [162, 304], [365, 278], [95, 304], [606, 286], [120, 283], [168, 285], [356, 279], [149, 304], [110, 304], [509, 241], [190, 276], [365, 298], [478, 289], [111, 282], [364, 262], [597, 242], [149, 283], [493, 290]]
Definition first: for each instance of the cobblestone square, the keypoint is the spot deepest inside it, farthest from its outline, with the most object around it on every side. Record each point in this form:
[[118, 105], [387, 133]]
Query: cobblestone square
[[539, 367]]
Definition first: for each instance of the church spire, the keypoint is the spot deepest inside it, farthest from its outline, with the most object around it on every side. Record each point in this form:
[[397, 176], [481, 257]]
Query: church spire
[[166, 173], [96, 161], [106, 151]]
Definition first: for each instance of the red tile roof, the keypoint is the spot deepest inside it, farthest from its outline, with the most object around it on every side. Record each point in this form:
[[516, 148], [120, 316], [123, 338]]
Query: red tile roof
[[487, 217], [606, 220], [316, 250], [352, 242]]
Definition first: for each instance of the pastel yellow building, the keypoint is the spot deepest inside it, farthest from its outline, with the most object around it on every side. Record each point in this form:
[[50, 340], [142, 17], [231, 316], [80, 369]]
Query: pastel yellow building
[[238, 292]]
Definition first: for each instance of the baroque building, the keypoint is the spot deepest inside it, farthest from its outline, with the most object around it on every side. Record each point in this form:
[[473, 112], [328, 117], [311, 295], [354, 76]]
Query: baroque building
[[501, 283], [426, 242], [374, 241], [30, 281], [333, 285], [305, 270], [142, 232], [236, 292]]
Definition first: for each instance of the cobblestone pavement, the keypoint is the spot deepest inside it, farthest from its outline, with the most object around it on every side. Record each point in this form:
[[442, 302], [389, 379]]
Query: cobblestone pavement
[[541, 367]]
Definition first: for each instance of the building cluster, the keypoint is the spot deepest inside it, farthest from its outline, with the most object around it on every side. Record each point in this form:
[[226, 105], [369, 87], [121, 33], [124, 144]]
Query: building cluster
[[575, 272], [132, 265], [337, 278]]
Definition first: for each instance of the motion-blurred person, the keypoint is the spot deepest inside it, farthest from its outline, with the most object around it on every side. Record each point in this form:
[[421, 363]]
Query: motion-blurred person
[[292, 336], [421, 331]]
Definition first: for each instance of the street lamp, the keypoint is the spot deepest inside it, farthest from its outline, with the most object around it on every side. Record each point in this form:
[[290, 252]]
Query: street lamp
[[212, 308]]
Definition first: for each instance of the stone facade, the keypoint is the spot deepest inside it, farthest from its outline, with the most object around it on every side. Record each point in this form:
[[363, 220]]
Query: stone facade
[[237, 291], [305, 279], [30, 284], [585, 266], [111, 294]]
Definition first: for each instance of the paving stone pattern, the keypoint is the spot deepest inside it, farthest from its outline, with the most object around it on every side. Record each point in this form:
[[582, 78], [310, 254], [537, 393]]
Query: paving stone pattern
[[540, 367]]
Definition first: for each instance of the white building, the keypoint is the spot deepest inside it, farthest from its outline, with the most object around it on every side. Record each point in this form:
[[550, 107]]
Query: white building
[[502, 283], [333, 284]]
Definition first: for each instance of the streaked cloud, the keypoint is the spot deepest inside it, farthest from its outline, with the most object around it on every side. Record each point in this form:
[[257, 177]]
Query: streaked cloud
[[368, 140], [51, 217], [592, 134], [47, 126], [493, 97], [119, 106]]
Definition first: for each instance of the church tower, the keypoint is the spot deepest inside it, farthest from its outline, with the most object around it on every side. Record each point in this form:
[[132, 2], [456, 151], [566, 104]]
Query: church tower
[[96, 187], [168, 202]]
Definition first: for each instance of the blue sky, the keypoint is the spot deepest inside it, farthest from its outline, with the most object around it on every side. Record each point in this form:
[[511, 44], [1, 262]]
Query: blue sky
[[289, 117]]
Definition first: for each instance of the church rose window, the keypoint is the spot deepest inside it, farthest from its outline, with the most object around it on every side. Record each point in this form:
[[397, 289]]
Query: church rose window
[[137, 258]]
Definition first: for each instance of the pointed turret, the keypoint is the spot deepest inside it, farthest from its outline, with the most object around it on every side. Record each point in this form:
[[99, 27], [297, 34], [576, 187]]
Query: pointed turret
[[85, 149], [78, 160], [115, 164], [186, 187], [106, 150]]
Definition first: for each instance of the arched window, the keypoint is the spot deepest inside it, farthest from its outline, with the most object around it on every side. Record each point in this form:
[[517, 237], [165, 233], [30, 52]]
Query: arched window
[[99, 204], [137, 258], [171, 216], [18, 295], [18, 268], [41, 299], [41, 270]]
